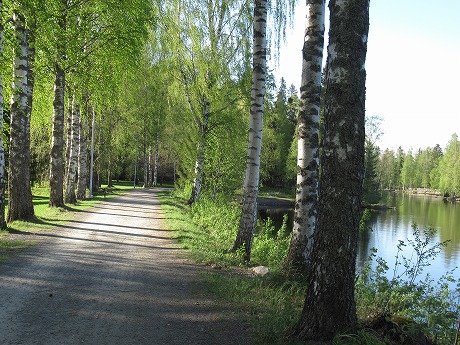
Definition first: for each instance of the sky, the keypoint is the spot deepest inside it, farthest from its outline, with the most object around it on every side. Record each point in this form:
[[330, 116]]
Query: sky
[[413, 69]]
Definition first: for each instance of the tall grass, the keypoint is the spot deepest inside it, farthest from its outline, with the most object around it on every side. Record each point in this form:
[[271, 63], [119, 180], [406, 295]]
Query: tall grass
[[207, 230], [273, 303]]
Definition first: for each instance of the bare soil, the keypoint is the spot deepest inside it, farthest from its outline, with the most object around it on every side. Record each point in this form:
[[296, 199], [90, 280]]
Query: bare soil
[[112, 276]]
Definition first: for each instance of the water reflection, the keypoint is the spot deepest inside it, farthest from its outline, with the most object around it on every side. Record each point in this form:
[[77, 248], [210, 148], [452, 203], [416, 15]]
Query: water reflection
[[393, 225]]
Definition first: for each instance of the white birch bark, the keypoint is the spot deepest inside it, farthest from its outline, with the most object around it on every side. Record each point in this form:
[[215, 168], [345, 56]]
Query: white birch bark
[[157, 157], [201, 153], [146, 163], [68, 136], [57, 134], [329, 303], [82, 160], [2, 150], [68, 131], [91, 166], [135, 168], [308, 140], [150, 166], [20, 204], [251, 181], [70, 196], [32, 28], [57, 140]]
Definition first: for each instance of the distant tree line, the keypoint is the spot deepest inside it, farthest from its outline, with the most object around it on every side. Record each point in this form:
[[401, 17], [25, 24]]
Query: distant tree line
[[431, 168]]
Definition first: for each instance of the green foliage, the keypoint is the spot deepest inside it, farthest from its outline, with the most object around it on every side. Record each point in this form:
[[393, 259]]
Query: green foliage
[[371, 193], [428, 169], [273, 303], [270, 304], [433, 305], [361, 337], [387, 170], [364, 222], [449, 168], [278, 132], [270, 246]]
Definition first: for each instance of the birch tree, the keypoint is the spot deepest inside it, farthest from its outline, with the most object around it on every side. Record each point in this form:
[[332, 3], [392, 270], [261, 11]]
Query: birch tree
[[210, 45], [157, 158], [20, 204], [308, 140], [70, 196], [329, 304], [251, 181], [2, 149], [57, 141], [82, 167], [81, 31], [57, 138]]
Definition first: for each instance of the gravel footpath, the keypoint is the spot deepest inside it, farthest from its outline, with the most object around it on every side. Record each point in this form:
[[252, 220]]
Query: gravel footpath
[[111, 276]]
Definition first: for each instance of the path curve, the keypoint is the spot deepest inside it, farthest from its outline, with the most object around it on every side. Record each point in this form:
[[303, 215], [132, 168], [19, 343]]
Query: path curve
[[112, 276]]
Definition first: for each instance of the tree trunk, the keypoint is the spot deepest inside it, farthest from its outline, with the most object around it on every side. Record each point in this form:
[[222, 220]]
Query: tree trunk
[[150, 166], [30, 91], [329, 305], [135, 168], [109, 176], [70, 196], [2, 150], [91, 167], [308, 141], [251, 181], [57, 140], [20, 204], [146, 163], [201, 153], [68, 131], [157, 157], [82, 160]]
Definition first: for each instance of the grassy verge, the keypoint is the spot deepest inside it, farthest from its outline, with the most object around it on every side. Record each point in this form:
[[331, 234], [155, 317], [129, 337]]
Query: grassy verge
[[47, 218], [269, 192], [9, 248], [271, 304]]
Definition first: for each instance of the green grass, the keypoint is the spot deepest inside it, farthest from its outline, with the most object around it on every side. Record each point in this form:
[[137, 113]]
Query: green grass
[[9, 248], [270, 304], [47, 218], [270, 192]]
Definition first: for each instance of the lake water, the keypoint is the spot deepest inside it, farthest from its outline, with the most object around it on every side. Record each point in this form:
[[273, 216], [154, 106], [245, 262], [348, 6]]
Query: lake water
[[394, 225]]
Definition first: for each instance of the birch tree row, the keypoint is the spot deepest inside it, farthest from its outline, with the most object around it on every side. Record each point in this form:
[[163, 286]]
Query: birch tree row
[[125, 78], [64, 41]]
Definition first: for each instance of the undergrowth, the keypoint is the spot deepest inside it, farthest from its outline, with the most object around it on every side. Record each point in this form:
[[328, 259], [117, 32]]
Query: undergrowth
[[405, 293], [273, 303], [208, 229]]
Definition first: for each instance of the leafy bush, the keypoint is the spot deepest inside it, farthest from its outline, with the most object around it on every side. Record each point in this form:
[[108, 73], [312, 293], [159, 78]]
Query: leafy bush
[[270, 246], [273, 303], [217, 222], [407, 294]]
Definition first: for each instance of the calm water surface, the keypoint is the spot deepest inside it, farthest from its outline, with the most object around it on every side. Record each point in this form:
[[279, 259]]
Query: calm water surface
[[393, 225]]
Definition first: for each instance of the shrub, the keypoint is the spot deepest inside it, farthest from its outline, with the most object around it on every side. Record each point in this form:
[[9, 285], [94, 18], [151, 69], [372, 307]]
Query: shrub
[[435, 306]]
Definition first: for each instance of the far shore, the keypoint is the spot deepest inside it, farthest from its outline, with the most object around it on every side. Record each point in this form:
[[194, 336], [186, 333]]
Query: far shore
[[425, 192]]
